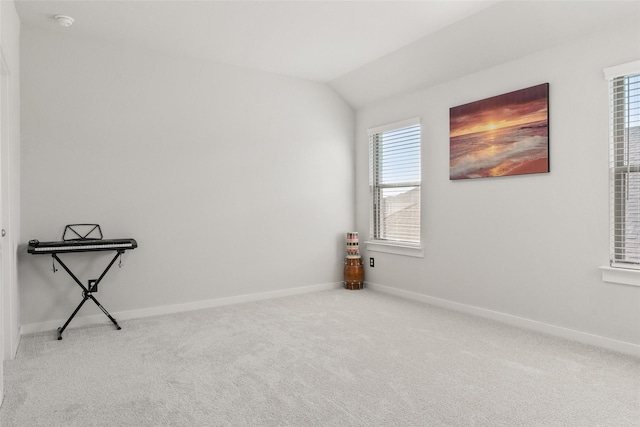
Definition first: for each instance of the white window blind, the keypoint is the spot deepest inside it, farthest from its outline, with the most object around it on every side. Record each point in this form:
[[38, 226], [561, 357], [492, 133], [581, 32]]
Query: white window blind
[[624, 168], [395, 182]]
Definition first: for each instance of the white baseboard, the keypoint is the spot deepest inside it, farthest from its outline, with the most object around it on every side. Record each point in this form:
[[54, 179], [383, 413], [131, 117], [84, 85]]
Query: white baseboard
[[175, 308], [571, 334]]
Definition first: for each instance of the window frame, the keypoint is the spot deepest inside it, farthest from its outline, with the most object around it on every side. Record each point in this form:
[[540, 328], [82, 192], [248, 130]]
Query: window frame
[[375, 243], [621, 166], [619, 271]]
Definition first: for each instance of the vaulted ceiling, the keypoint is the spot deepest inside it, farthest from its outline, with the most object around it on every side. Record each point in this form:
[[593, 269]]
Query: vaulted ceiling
[[366, 50]]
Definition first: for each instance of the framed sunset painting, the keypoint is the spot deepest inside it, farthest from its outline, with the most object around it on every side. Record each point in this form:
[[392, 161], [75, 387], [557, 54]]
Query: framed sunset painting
[[500, 136]]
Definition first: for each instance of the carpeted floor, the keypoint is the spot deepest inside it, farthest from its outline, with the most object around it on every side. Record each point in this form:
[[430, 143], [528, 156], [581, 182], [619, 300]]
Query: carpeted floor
[[333, 358]]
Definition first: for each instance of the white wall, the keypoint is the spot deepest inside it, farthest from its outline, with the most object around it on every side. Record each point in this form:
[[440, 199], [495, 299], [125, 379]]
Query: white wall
[[526, 246], [232, 181]]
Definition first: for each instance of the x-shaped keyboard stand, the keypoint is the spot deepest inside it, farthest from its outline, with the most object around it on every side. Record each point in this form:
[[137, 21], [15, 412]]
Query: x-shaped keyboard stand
[[87, 291]]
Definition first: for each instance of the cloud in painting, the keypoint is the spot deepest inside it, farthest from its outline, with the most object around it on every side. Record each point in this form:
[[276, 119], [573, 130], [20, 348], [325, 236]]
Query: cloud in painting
[[519, 107]]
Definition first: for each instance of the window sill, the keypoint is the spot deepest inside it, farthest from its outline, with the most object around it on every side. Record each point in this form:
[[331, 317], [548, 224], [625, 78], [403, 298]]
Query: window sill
[[397, 249], [623, 276]]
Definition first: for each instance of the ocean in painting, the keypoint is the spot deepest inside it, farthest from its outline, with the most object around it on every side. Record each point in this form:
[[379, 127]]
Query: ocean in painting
[[512, 150]]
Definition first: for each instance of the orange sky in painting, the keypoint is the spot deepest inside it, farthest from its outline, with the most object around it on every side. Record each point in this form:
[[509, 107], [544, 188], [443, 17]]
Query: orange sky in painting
[[519, 107]]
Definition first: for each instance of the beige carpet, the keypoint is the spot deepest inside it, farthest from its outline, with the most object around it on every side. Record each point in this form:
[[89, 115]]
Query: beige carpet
[[334, 358]]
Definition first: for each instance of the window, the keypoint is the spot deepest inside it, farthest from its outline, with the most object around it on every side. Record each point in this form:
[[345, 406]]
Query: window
[[394, 180], [624, 170]]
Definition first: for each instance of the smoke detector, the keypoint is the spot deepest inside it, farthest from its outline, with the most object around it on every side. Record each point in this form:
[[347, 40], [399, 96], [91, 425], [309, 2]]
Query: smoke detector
[[65, 21]]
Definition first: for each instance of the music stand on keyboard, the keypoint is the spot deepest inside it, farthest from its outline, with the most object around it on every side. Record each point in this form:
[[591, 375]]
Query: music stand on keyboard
[[83, 238], [82, 232]]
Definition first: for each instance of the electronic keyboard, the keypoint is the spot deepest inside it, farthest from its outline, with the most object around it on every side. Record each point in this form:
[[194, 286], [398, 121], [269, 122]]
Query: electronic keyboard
[[84, 238], [82, 245]]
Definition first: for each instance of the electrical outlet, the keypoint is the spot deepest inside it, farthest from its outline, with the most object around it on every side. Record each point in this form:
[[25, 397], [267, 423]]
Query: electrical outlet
[[371, 262]]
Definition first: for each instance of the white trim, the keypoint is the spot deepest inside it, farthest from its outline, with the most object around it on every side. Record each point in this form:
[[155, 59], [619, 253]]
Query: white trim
[[622, 276], [571, 334], [622, 70], [176, 308], [16, 340], [392, 126], [397, 249], [5, 67]]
